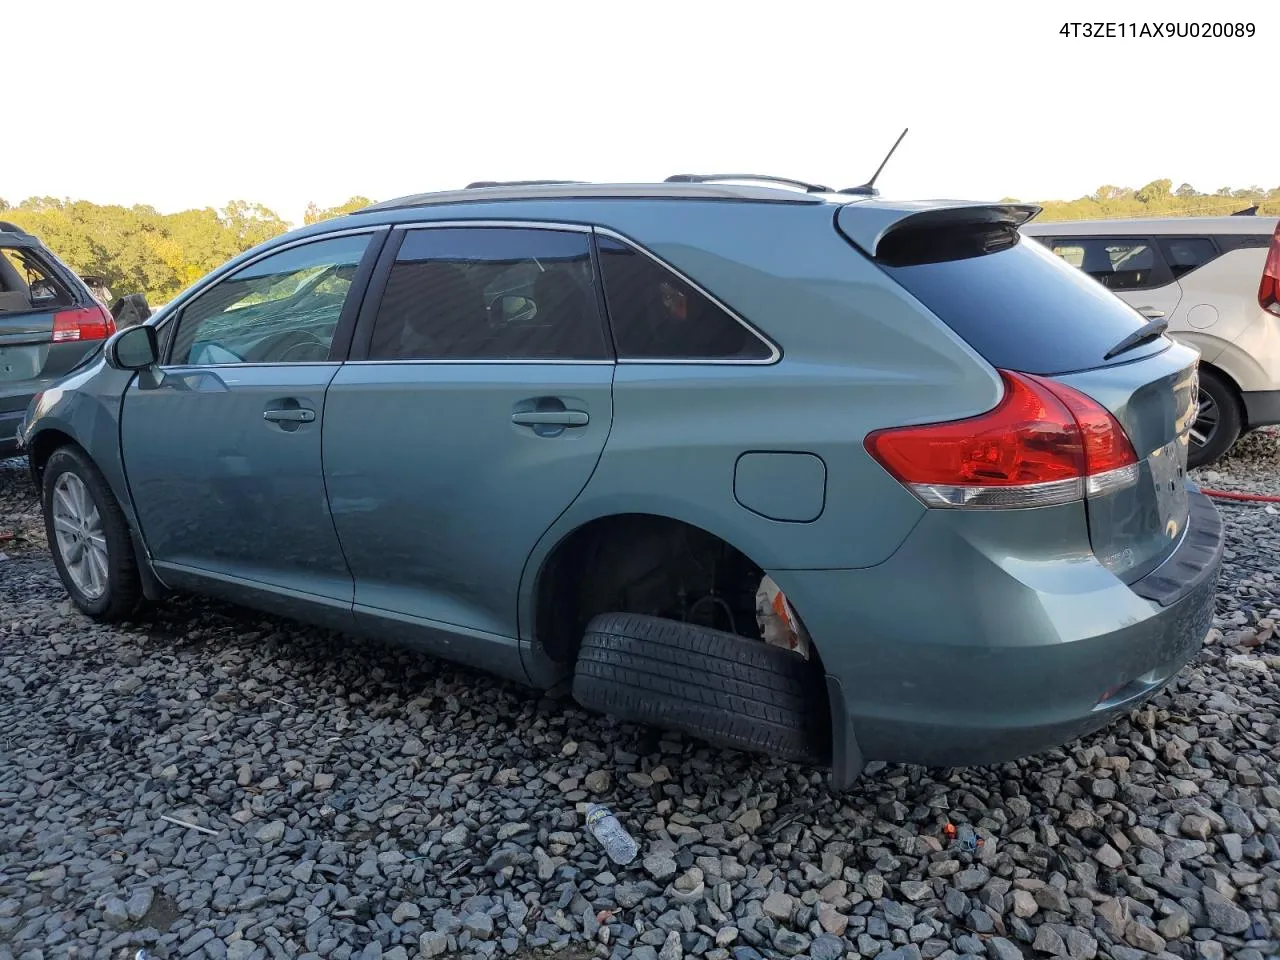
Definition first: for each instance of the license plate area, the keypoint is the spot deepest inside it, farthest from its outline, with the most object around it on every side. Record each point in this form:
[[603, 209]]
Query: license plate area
[[1169, 475], [20, 363]]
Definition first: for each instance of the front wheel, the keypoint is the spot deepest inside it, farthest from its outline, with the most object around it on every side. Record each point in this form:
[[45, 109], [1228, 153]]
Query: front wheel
[[1218, 420], [89, 537]]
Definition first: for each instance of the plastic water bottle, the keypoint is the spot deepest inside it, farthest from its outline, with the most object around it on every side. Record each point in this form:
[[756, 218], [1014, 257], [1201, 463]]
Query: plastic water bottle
[[613, 836]]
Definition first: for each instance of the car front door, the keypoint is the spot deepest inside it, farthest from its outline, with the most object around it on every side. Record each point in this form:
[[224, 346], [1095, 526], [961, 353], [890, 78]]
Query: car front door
[[474, 411], [222, 446], [1133, 268]]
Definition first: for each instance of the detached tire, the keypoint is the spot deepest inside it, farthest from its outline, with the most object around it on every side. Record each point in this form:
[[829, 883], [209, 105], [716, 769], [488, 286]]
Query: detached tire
[[726, 689]]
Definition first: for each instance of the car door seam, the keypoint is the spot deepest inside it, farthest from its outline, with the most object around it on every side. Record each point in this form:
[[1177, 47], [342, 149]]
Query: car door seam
[[324, 483]]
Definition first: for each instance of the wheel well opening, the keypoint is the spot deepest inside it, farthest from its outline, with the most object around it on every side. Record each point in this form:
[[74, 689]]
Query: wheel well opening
[[42, 448], [1219, 372], [639, 563], [1227, 379]]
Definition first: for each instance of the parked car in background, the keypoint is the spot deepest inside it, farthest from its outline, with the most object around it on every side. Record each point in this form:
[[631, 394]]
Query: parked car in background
[[98, 287], [1215, 281], [49, 321], [818, 474]]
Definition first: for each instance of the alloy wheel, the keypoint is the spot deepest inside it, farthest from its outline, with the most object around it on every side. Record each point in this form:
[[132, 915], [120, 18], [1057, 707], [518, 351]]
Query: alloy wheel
[[82, 541], [1206, 422]]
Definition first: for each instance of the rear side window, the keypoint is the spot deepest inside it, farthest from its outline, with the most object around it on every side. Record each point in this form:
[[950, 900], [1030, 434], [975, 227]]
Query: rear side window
[[490, 293], [658, 316], [1118, 264], [1185, 254], [1025, 309], [26, 284]]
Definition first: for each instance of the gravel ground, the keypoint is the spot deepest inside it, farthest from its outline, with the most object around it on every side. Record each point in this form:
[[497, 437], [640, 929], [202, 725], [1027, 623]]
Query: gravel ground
[[345, 800], [1251, 466]]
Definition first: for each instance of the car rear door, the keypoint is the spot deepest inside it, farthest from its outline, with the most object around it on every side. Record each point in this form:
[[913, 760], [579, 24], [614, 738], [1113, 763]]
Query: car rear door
[[222, 449], [472, 413]]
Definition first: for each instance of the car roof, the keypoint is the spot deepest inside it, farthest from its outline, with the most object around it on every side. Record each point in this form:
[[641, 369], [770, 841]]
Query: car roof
[[12, 235], [1179, 226], [757, 193]]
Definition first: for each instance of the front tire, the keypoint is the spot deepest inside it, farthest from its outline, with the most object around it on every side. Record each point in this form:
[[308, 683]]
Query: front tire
[[1218, 420], [89, 537]]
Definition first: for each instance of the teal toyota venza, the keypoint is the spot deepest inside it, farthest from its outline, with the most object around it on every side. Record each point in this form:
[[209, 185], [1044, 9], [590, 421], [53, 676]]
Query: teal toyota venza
[[818, 474]]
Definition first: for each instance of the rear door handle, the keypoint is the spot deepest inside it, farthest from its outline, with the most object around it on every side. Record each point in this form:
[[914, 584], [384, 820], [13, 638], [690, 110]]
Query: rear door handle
[[289, 415], [1151, 313], [552, 418]]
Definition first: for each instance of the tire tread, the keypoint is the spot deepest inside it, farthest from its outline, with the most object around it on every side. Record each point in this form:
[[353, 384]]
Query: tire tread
[[727, 689]]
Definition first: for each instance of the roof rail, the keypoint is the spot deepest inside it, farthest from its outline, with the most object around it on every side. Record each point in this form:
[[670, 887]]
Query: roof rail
[[1247, 212], [752, 177], [8, 227], [518, 183]]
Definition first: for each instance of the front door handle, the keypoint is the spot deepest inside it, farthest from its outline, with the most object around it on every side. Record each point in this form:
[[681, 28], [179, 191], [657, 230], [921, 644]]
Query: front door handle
[[1151, 313], [551, 418], [289, 415]]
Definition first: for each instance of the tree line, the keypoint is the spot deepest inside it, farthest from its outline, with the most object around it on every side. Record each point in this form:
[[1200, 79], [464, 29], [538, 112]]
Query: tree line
[[1159, 199], [140, 250]]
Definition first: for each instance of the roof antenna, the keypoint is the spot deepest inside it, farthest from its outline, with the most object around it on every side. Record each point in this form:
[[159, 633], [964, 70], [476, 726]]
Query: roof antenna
[[868, 189]]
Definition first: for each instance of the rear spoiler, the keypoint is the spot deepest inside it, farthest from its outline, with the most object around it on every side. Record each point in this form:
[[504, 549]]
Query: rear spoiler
[[867, 224]]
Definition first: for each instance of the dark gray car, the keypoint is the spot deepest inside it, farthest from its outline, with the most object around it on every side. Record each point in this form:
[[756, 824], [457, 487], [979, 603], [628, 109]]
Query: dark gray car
[[49, 322], [818, 474]]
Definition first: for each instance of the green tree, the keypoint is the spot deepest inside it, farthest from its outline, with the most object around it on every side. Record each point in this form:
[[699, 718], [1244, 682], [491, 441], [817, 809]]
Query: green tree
[[139, 250], [1155, 191], [314, 213], [251, 223], [1154, 199]]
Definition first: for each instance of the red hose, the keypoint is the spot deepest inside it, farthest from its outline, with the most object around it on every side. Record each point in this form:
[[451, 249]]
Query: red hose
[[1233, 495]]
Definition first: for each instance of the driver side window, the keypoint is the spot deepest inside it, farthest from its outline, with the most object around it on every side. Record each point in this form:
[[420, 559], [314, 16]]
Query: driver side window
[[281, 309]]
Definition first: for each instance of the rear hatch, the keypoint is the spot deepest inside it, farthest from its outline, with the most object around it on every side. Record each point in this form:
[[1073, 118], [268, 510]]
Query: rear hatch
[[1026, 311], [46, 324]]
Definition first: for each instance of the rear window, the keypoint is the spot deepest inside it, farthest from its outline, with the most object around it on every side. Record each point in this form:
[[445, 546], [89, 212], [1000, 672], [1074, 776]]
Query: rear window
[[1185, 254], [1024, 309], [27, 284]]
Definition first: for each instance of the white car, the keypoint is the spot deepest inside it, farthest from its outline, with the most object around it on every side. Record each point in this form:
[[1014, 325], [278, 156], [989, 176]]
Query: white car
[[1216, 282]]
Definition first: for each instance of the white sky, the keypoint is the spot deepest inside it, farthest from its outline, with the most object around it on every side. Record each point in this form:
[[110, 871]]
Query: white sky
[[197, 102]]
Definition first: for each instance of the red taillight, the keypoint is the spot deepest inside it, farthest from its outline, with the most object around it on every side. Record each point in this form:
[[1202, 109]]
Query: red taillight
[[1044, 443], [1269, 288], [83, 324]]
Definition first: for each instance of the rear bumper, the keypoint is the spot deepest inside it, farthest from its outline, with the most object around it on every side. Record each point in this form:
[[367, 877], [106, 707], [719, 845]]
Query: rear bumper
[[15, 398], [10, 420], [9, 446], [982, 659], [1261, 407]]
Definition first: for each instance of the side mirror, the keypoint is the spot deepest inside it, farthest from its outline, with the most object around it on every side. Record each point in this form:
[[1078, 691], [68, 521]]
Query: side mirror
[[130, 311], [133, 348], [511, 308]]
